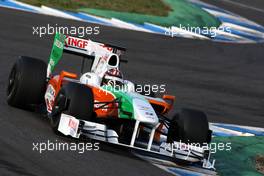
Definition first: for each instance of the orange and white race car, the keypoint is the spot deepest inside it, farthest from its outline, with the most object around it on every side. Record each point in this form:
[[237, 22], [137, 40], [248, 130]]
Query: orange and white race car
[[101, 105]]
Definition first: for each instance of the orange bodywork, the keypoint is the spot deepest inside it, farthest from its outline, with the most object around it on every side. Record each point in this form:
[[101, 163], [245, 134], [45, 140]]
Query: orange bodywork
[[164, 106], [110, 110], [101, 96]]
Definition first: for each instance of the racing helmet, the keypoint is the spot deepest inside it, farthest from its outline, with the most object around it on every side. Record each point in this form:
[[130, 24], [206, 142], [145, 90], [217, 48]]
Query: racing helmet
[[113, 77]]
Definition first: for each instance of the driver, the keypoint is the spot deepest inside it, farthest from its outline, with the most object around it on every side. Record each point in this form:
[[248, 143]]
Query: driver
[[113, 77]]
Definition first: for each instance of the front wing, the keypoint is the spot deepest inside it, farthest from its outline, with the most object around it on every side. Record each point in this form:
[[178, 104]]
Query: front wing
[[70, 126]]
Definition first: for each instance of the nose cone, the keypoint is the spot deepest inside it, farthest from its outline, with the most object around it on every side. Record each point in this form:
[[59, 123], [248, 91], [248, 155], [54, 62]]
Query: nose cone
[[144, 112]]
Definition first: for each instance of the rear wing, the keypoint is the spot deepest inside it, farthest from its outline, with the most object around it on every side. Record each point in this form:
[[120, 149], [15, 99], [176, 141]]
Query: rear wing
[[88, 47], [80, 47]]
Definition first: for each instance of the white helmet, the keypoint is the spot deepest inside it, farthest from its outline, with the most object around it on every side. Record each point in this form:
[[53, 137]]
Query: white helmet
[[91, 79]]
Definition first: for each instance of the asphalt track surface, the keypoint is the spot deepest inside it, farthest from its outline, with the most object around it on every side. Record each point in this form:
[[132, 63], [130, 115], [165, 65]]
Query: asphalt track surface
[[224, 80], [251, 9]]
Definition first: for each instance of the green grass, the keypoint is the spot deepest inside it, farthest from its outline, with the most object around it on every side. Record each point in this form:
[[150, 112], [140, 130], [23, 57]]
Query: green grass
[[241, 159], [182, 13], [148, 7]]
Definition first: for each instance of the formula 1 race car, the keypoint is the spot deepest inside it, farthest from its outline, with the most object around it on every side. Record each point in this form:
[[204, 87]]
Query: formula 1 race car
[[101, 105]]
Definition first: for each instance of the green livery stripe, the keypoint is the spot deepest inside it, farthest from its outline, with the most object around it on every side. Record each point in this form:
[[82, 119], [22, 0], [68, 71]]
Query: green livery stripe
[[56, 52], [126, 110]]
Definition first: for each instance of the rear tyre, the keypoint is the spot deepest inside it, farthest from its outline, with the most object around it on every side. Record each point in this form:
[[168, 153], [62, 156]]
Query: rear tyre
[[73, 99], [189, 126], [27, 83]]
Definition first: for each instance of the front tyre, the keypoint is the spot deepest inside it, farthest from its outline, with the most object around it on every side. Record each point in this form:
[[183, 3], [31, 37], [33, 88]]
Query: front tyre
[[189, 126], [73, 99]]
